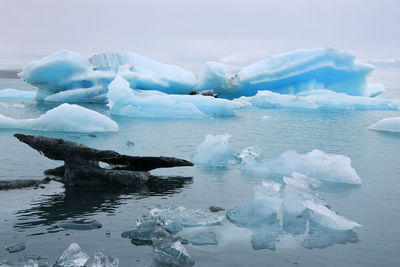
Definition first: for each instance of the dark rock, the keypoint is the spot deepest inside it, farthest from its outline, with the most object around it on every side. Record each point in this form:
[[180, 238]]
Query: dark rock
[[215, 209], [82, 163], [17, 184]]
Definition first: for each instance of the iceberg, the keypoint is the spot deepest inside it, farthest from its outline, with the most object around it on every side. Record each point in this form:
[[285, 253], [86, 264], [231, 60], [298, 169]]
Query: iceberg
[[317, 164], [138, 103], [387, 125], [15, 94], [296, 71], [215, 152], [67, 75], [66, 117], [318, 99], [171, 253]]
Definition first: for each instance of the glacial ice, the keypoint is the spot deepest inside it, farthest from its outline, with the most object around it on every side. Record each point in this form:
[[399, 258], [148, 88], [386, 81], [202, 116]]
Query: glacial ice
[[387, 125], [15, 94], [138, 103], [294, 208], [101, 260], [67, 75], [73, 256], [317, 164], [169, 252], [317, 99], [203, 239], [215, 152], [66, 117]]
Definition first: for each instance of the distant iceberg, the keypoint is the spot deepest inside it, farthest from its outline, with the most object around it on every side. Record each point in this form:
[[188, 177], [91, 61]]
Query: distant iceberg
[[66, 76], [387, 125], [66, 117]]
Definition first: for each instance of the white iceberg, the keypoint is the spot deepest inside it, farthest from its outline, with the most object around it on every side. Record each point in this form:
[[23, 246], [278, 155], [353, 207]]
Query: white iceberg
[[215, 151], [138, 103], [317, 164], [387, 125], [318, 99], [213, 77], [15, 94], [66, 117]]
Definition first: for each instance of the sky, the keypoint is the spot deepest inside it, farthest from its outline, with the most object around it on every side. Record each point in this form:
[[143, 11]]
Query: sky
[[190, 32]]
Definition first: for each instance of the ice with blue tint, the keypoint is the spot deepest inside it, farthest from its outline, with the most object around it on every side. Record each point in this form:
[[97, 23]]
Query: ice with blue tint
[[316, 99], [290, 73], [72, 256], [294, 208], [15, 94], [215, 151], [214, 76], [293, 72], [67, 118], [317, 164], [154, 104], [387, 125]]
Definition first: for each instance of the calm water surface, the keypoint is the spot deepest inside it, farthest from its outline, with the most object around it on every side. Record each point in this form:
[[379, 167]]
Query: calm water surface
[[33, 216]]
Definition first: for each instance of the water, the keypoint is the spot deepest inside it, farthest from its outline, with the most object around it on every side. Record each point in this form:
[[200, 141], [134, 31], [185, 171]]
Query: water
[[33, 216]]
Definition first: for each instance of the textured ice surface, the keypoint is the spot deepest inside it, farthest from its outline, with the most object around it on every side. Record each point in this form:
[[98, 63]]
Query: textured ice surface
[[66, 117], [215, 151], [169, 252], [80, 225], [186, 217], [290, 73], [101, 260], [318, 99], [387, 125], [16, 94], [317, 164], [73, 256], [16, 247], [135, 103]]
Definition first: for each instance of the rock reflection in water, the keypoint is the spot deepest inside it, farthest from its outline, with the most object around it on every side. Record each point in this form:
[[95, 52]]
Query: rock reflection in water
[[76, 202]]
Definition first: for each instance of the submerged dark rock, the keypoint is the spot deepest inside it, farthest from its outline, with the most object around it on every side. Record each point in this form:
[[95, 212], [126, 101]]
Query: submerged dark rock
[[17, 184], [82, 163]]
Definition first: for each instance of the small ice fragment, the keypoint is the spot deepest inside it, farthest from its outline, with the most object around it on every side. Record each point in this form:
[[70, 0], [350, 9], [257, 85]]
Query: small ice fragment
[[387, 125], [171, 253], [204, 239], [80, 225], [73, 256], [215, 152], [101, 260], [16, 247]]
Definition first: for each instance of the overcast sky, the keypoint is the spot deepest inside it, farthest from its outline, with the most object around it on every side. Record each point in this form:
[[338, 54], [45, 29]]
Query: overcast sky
[[190, 32]]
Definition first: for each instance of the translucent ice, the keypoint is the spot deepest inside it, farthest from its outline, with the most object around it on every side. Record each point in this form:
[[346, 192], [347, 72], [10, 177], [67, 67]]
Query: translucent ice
[[317, 164], [135, 103], [73, 256], [171, 253], [387, 125], [101, 260], [10, 93], [213, 77], [204, 239], [215, 151], [318, 99], [66, 117]]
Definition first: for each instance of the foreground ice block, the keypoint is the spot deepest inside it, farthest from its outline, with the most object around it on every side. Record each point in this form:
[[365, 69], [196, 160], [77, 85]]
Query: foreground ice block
[[66, 117], [387, 125], [72, 256], [153, 104]]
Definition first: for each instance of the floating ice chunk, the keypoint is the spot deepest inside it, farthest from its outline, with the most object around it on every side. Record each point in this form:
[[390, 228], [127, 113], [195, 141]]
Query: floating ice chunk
[[318, 99], [95, 94], [317, 164], [387, 125], [171, 253], [146, 231], [292, 72], [16, 247], [328, 218], [204, 239], [80, 225], [73, 256], [16, 94], [251, 157], [215, 151], [101, 260], [134, 103], [66, 117], [213, 77]]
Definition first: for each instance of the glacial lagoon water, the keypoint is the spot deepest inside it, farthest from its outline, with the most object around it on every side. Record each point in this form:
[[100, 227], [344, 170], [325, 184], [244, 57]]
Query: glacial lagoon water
[[37, 216]]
